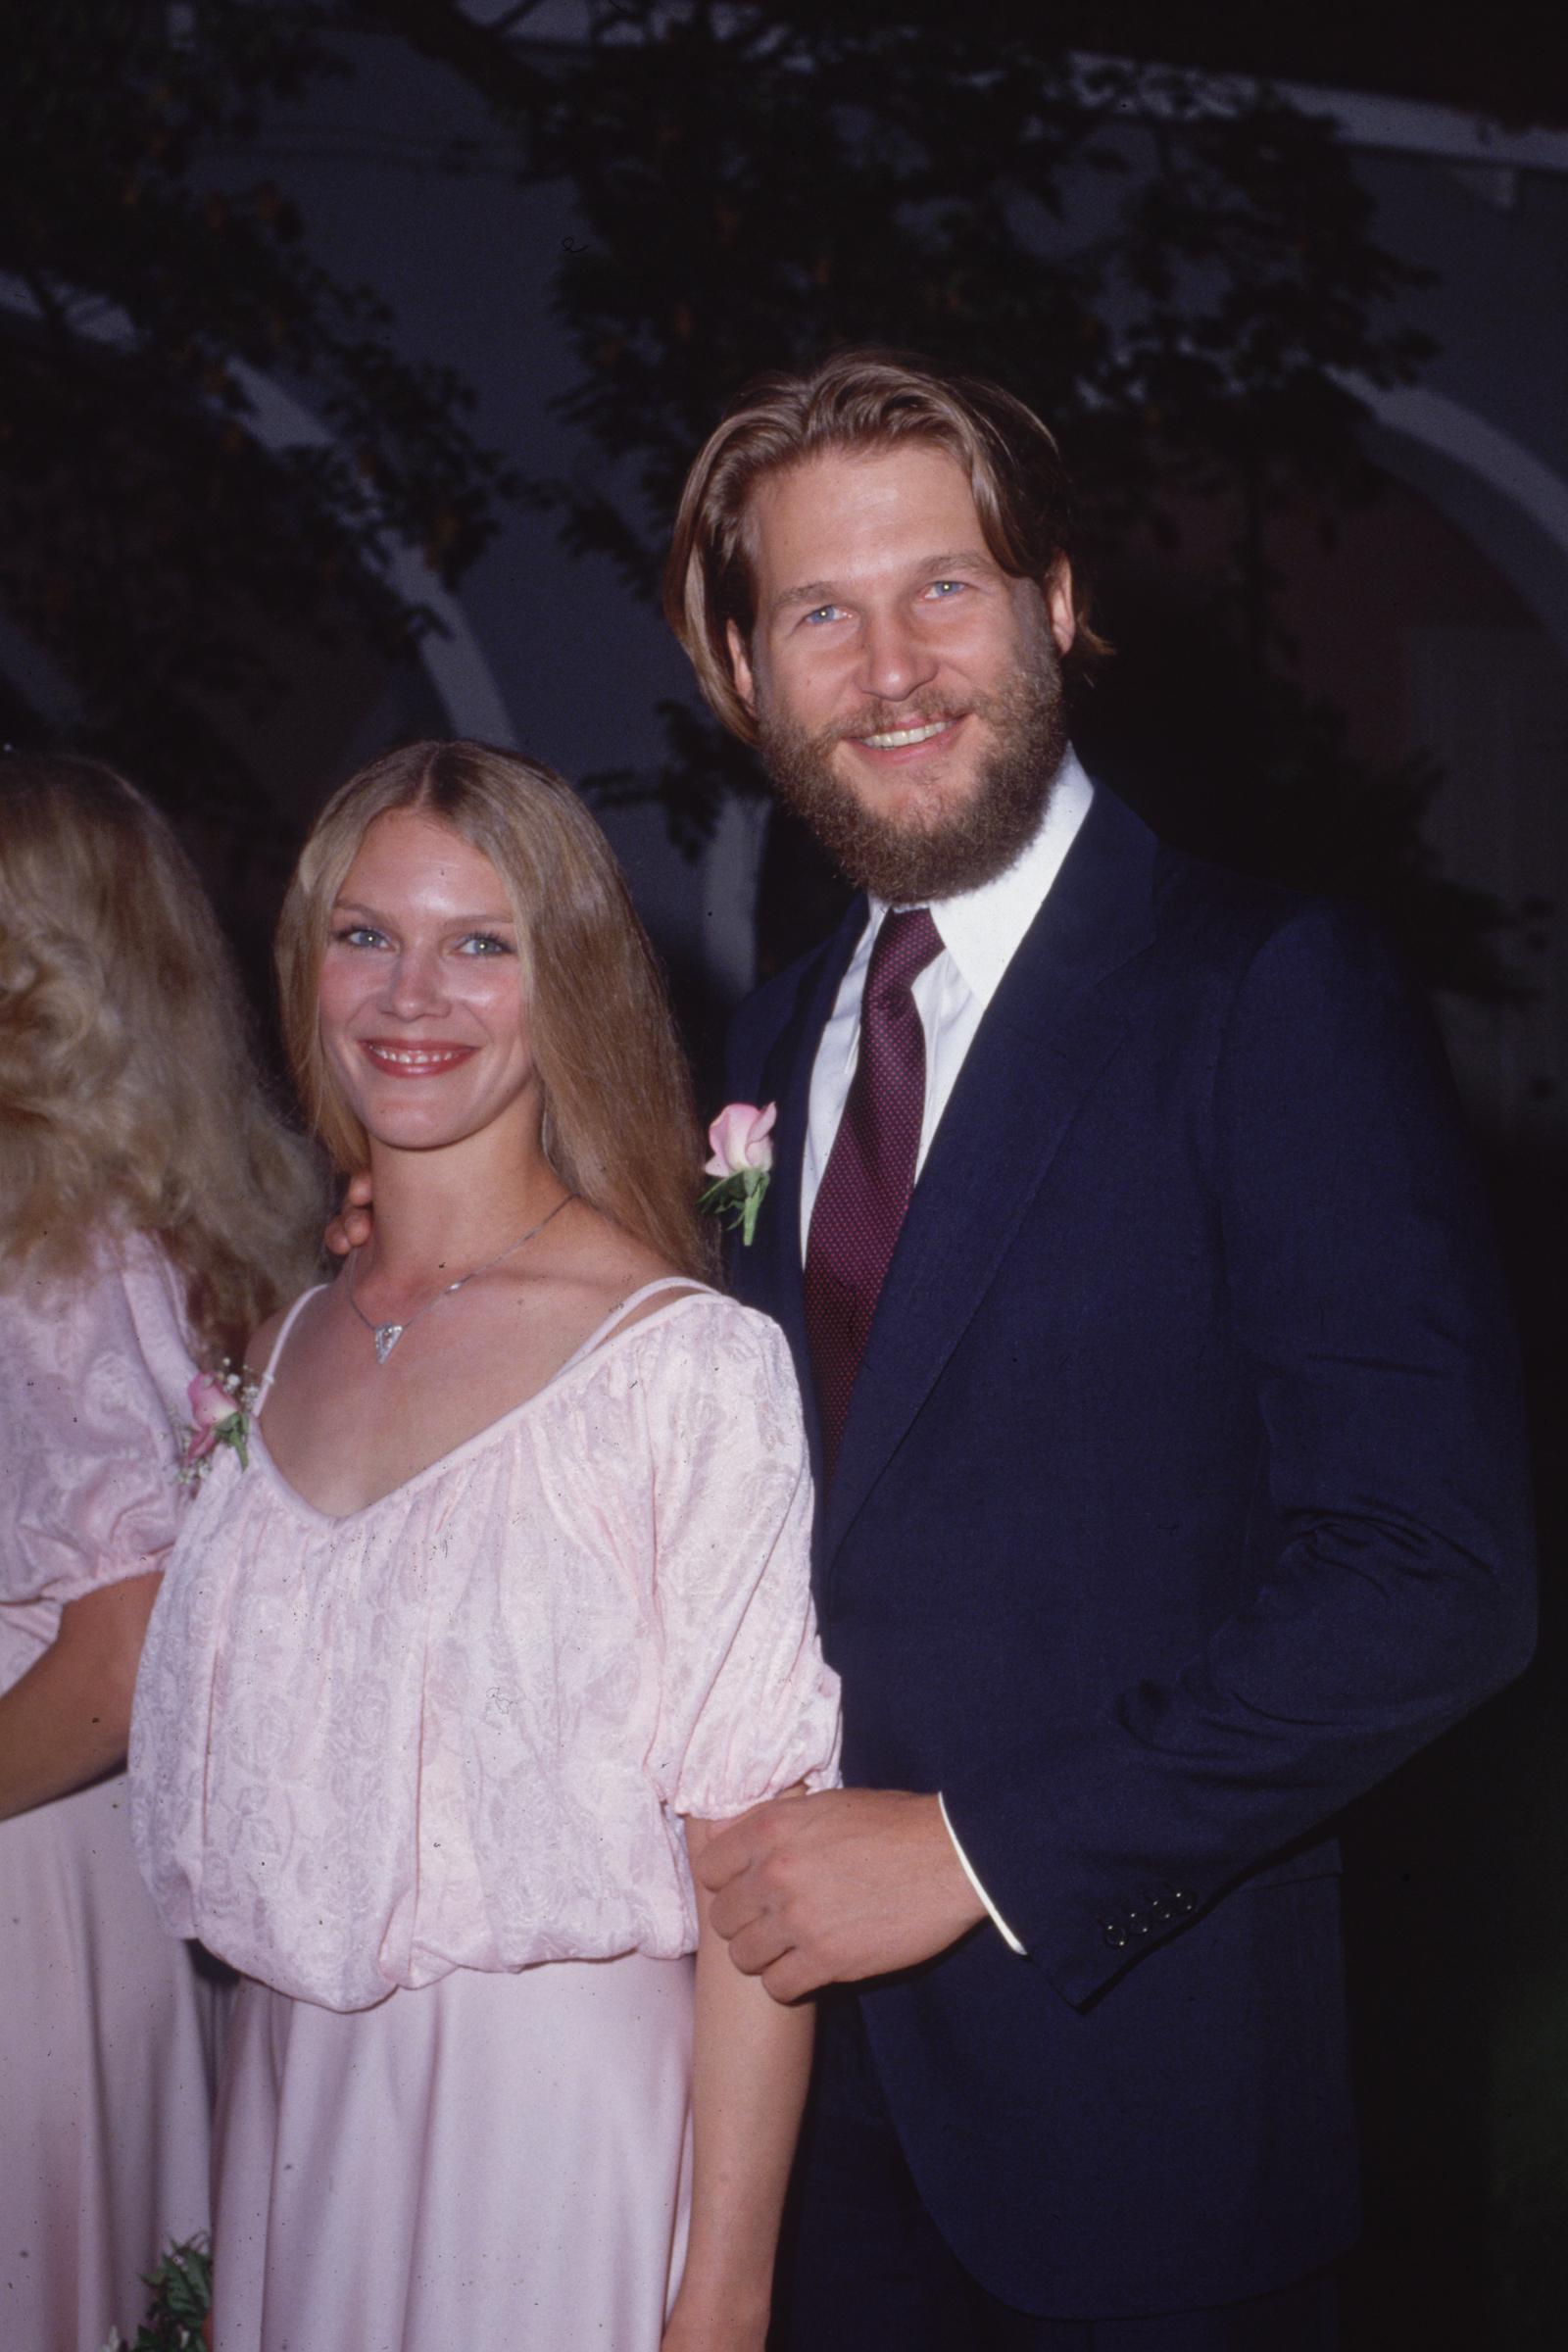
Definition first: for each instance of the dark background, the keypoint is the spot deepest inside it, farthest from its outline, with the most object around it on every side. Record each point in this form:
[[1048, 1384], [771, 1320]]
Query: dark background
[[350, 358]]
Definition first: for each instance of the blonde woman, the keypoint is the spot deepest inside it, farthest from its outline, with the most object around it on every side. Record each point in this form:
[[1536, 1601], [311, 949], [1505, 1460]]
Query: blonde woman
[[151, 1210], [509, 1604]]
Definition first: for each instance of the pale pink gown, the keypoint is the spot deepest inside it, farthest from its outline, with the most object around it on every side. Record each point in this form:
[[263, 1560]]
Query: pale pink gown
[[108, 2033], [418, 1773]]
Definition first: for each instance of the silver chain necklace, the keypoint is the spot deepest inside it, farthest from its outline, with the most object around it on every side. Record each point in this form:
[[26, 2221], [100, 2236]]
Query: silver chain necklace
[[387, 1335]]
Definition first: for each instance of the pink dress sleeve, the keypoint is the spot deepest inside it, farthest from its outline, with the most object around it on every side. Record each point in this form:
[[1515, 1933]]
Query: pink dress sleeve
[[747, 1706], [92, 1376]]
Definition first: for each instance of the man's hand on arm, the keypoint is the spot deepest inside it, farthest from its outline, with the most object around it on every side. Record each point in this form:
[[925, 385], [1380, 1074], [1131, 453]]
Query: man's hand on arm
[[813, 1890], [350, 1229]]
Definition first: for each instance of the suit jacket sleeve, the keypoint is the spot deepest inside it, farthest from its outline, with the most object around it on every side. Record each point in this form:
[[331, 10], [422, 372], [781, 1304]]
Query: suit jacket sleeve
[[1362, 1286]]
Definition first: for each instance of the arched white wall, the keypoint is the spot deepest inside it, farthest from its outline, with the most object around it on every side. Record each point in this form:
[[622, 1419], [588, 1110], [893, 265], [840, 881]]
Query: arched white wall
[[452, 655], [1518, 478]]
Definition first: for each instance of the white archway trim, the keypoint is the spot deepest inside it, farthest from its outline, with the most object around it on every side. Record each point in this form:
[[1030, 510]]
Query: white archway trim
[[1456, 431], [1367, 119], [451, 654]]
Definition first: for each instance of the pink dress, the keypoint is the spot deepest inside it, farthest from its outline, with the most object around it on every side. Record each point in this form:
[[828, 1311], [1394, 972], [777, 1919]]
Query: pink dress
[[108, 2034], [417, 1772]]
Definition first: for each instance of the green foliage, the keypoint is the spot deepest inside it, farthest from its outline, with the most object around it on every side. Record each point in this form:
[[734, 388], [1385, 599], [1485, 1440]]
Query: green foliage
[[183, 2297], [1169, 281], [150, 546], [1179, 285], [1182, 285]]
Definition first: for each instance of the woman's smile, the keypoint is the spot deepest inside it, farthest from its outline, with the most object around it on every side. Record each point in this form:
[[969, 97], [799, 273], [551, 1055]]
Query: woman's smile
[[399, 1059]]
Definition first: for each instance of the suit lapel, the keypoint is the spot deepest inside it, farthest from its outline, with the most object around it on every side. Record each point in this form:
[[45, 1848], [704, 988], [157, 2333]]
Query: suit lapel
[[1048, 1031]]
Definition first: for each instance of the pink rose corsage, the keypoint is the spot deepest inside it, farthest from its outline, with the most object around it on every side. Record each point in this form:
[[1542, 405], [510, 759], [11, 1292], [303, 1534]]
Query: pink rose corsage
[[742, 1163], [220, 1405]]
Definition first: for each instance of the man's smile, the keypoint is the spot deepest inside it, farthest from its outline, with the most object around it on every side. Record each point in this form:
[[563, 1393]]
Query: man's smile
[[898, 744]]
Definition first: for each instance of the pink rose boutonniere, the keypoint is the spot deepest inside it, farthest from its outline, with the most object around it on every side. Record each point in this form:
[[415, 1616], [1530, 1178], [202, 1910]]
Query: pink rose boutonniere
[[220, 1405], [742, 1162]]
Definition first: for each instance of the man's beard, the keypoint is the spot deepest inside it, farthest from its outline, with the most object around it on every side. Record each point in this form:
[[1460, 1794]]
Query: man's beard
[[906, 863]]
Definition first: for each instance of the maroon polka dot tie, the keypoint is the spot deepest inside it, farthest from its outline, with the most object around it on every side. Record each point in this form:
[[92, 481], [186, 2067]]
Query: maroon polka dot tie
[[870, 1170]]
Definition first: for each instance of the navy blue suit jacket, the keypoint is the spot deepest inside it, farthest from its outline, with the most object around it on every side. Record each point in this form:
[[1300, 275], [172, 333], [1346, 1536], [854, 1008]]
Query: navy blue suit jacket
[[1181, 1498]]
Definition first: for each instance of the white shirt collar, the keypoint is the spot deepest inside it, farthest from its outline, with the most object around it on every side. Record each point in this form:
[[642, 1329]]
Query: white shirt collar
[[983, 929]]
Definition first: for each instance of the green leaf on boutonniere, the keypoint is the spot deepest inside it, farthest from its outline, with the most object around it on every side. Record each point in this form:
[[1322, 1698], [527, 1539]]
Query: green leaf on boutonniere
[[736, 1199]]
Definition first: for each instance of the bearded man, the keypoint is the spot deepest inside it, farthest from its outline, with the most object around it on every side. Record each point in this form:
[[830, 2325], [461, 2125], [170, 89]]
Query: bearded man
[[1165, 1418]]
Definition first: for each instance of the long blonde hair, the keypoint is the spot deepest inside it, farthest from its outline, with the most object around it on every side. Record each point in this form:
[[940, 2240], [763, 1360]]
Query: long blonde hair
[[129, 1098], [620, 1128]]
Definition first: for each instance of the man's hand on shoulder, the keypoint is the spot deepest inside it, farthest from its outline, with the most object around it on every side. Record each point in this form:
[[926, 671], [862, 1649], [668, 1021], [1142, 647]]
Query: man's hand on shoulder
[[812, 1890], [350, 1229]]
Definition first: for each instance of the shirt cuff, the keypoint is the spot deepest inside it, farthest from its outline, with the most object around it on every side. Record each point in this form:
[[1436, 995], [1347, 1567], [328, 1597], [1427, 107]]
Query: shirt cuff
[[1001, 1927]]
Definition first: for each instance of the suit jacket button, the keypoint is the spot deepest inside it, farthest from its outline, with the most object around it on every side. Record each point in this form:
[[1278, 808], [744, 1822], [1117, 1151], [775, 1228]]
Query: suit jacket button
[[1137, 1922], [1160, 1911], [1183, 1901], [1115, 1933]]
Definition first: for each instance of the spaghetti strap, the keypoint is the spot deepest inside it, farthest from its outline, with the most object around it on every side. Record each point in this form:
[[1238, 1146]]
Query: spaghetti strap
[[618, 1314], [264, 1385]]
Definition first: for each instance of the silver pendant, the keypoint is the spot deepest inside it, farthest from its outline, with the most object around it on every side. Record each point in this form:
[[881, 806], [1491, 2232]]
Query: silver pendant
[[387, 1336]]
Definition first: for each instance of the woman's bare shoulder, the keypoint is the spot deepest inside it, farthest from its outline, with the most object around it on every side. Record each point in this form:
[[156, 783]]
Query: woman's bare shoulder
[[645, 1307], [262, 1340], [607, 1267], [632, 1267], [263, 1344]]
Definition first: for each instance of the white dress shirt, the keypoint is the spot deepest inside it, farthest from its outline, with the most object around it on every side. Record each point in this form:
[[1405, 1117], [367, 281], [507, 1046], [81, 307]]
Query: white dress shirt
[[980, 932]]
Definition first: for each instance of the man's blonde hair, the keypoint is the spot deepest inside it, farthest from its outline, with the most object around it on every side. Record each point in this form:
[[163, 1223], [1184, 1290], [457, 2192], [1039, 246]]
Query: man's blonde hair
[[858, 401]]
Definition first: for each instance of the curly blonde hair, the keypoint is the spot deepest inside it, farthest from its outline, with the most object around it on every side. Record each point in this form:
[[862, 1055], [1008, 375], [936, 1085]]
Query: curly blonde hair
[[619, 1127], [129, 1096]]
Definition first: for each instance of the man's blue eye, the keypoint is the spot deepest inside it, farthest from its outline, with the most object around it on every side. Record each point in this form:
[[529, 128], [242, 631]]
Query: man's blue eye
[[820, 611], [942, 586]]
